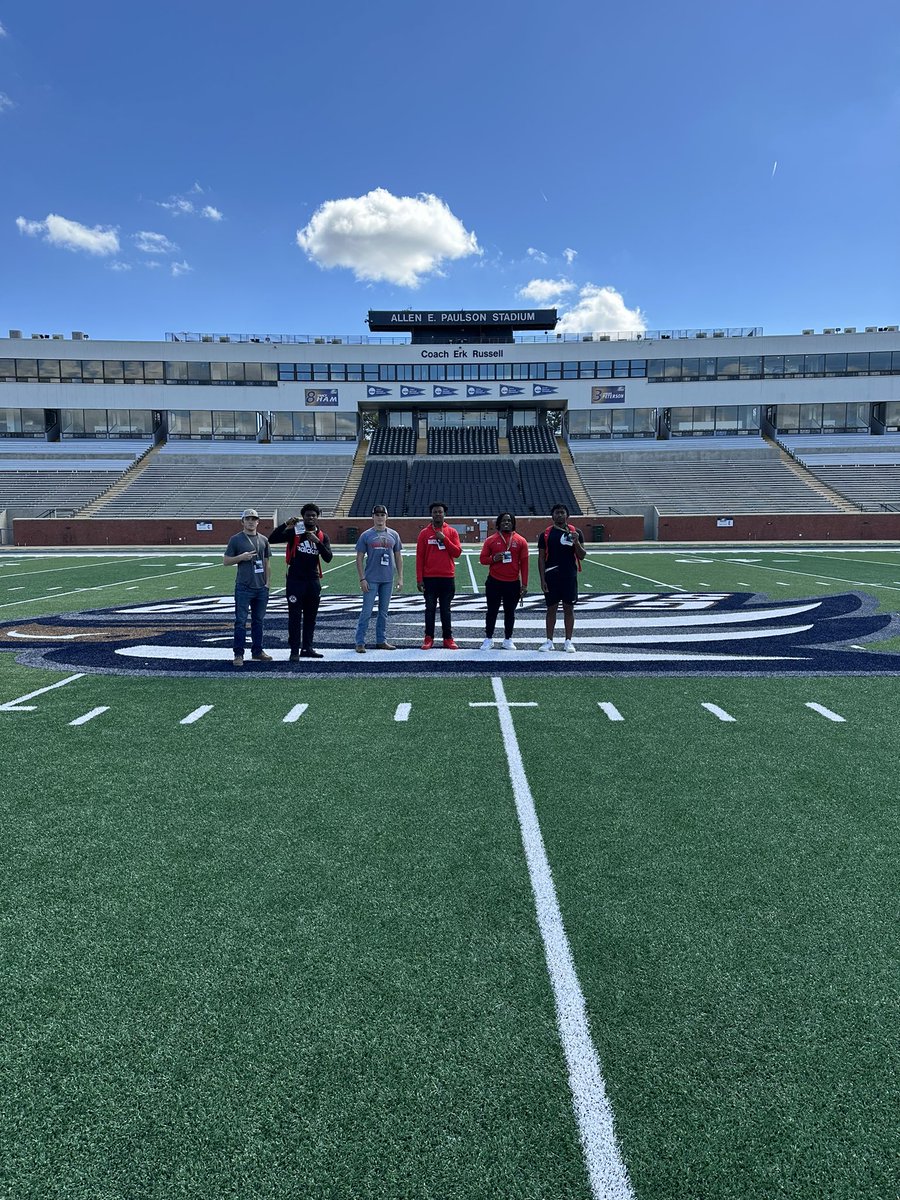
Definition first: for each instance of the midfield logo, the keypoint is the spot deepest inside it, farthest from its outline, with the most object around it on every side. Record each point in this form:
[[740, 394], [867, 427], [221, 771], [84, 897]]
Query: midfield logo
[[651, 633]]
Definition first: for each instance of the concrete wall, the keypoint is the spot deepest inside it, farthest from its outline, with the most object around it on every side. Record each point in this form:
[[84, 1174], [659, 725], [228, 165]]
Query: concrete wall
[[786, 527]]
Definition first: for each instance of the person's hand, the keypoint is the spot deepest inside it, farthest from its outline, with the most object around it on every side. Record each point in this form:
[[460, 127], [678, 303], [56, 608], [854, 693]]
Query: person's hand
[[497, 558], [248, 556], [399, 585], [420, 587], [544, 588], [291, 522], [364, 584]]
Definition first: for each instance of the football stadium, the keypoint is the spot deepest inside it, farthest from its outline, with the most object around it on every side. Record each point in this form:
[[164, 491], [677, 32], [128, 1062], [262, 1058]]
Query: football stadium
[[465, 921]]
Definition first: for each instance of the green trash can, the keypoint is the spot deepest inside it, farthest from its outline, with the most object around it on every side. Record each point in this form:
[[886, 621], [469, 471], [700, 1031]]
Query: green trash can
[[599, 533], [352, 534]]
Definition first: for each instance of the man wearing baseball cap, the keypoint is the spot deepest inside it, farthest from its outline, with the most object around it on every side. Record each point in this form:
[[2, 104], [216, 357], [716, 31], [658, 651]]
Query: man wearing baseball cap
[[249, 552]]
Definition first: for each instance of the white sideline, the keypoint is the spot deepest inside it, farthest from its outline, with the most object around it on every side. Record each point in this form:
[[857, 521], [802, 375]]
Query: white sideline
[[89, 716], [402, 713], [611, 711], [605, 1168], [472, 574], [295, 713], [718, 712], [196, 714]]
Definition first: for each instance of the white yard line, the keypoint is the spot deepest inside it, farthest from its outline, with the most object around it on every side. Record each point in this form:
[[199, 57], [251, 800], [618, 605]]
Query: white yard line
[[402, 713], [13, 705], [611, 711], [89, 716], [603, 1158], [472, 574], [196, 714], [718, 712], [99, 587], [816, 575], [825, 712], [607, 567], [295, 713]]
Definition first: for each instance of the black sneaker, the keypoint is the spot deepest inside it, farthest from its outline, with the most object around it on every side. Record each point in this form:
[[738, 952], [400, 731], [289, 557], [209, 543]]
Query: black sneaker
[[294, 656], [311, 654]]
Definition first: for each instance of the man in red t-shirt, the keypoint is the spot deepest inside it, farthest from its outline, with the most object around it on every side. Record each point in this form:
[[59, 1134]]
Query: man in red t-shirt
[[437, 550], [506, 552]]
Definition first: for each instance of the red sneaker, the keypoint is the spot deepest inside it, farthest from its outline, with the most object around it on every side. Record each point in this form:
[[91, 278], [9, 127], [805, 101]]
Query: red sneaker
[[428, 643], [449, 644]]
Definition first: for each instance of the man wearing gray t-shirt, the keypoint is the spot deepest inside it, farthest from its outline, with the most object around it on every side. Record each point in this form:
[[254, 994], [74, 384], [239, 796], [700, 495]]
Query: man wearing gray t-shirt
[[378, 555], [249, 552]]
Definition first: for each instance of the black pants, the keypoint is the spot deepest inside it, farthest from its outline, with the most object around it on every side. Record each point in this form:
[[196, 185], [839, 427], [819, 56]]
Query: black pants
[[438, 591], [303, 604], [507, 593]]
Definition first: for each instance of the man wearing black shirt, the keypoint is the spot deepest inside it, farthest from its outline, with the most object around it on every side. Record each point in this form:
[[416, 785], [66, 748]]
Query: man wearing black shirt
[[307, 549], [560, 553]]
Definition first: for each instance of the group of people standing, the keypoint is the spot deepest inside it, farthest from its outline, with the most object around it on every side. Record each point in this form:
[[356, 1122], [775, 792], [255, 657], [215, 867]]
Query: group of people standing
[[379, 565]]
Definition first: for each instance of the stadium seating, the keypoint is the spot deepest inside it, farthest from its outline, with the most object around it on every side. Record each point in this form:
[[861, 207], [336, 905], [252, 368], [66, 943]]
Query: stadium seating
[[544, 484], [683, 478], [531, 439], [37, 476], [382, 483], [468, 440], [472, 488], [187, 480], [397, 440], [863, 468]]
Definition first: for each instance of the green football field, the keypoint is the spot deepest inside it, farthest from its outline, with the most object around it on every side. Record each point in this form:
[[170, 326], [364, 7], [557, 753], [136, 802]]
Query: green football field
[[448, 937]]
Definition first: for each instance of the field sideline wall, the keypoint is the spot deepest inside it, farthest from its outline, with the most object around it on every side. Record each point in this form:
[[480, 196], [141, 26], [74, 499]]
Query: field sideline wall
[[771, 527], [157, 531]]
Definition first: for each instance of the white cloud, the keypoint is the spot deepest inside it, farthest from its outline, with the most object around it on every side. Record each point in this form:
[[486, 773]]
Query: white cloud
[[600, 310], [177, 206], [153, 243], [380, 236], [2, 31], [570, 255], [120, 266], [543, 290], [151, 264], [196, 190], [539, 255], [72, 235], [181, 268], [212, 214], [6, 102]]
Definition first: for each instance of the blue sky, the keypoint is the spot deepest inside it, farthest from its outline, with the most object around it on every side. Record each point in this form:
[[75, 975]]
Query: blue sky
[[283, 168]]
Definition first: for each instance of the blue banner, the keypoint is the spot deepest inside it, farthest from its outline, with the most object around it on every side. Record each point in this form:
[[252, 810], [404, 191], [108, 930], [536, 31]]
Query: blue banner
[[412, 391], [321, 398], [541, 389], [377, 391], [471, 390], [610, 394], [506, 390], [444, 391]]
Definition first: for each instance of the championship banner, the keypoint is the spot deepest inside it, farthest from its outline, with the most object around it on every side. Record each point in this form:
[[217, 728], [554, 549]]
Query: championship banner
[[321, 398], [614, 394]]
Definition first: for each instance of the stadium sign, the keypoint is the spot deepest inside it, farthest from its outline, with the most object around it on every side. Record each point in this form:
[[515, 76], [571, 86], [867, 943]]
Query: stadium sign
[[389, 321], [652, 633]]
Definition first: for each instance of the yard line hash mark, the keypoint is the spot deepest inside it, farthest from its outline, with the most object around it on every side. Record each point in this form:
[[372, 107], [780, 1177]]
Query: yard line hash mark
[[16, 705], [294, 715], [603, 1159], [611, 711], [196, 714], [825, 712], [89, 716], [402, 713], [717, 712]]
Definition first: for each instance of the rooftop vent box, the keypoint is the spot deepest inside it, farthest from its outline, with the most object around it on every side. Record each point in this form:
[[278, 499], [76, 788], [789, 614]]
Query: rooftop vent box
[[601, 337], [226, 338], [890, 328], [58, 337], [700, 333], [871, 329], [78, 336], [849, 329], [206, 337], [808, 331], [15, 333], [718, 333], [829, 330]]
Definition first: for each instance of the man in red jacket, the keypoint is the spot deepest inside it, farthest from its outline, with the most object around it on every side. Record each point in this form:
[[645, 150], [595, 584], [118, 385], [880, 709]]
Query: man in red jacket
[[507, 554], [437, 550]]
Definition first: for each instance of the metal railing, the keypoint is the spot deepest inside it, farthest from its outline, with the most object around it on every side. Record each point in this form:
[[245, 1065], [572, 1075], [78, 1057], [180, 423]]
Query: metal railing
[[368, 339]]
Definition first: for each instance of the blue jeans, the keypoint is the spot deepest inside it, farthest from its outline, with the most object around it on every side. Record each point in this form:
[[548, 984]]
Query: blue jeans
[[383, 592], [255, 601]]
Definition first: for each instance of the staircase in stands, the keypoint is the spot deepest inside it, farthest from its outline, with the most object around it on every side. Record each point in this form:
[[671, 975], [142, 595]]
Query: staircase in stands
[[125, 480], [820, 488], [344, 504]]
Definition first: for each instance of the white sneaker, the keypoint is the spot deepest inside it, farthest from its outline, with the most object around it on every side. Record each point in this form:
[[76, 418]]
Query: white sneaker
[[487, 644], [568, 647], [546, 647], [509, 644]]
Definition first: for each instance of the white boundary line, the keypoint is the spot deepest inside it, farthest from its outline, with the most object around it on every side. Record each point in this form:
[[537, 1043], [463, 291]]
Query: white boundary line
[[295, 714], [89, 716], [196, 714], [96, 588], [469, 558], [13, 705], [610, 710], [718, 712], [825, 712], [603, 1159]]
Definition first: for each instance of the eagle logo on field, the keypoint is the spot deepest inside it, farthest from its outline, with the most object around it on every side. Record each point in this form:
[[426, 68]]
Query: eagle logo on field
[[650, 633]]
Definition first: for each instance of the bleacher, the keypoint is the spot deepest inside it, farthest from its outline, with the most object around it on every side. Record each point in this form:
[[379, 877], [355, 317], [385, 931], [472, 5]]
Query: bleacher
[[396, 440], [544, 484], [37, 477], [466, 440], [382, 483], [467, 488], [730, 475], [531, 439], [186, 479], [863, 468]]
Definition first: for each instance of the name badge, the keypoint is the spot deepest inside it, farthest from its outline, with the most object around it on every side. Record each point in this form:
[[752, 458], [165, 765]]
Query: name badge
[[385, 559], [258, 567], [566, 539], [507, 556]]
